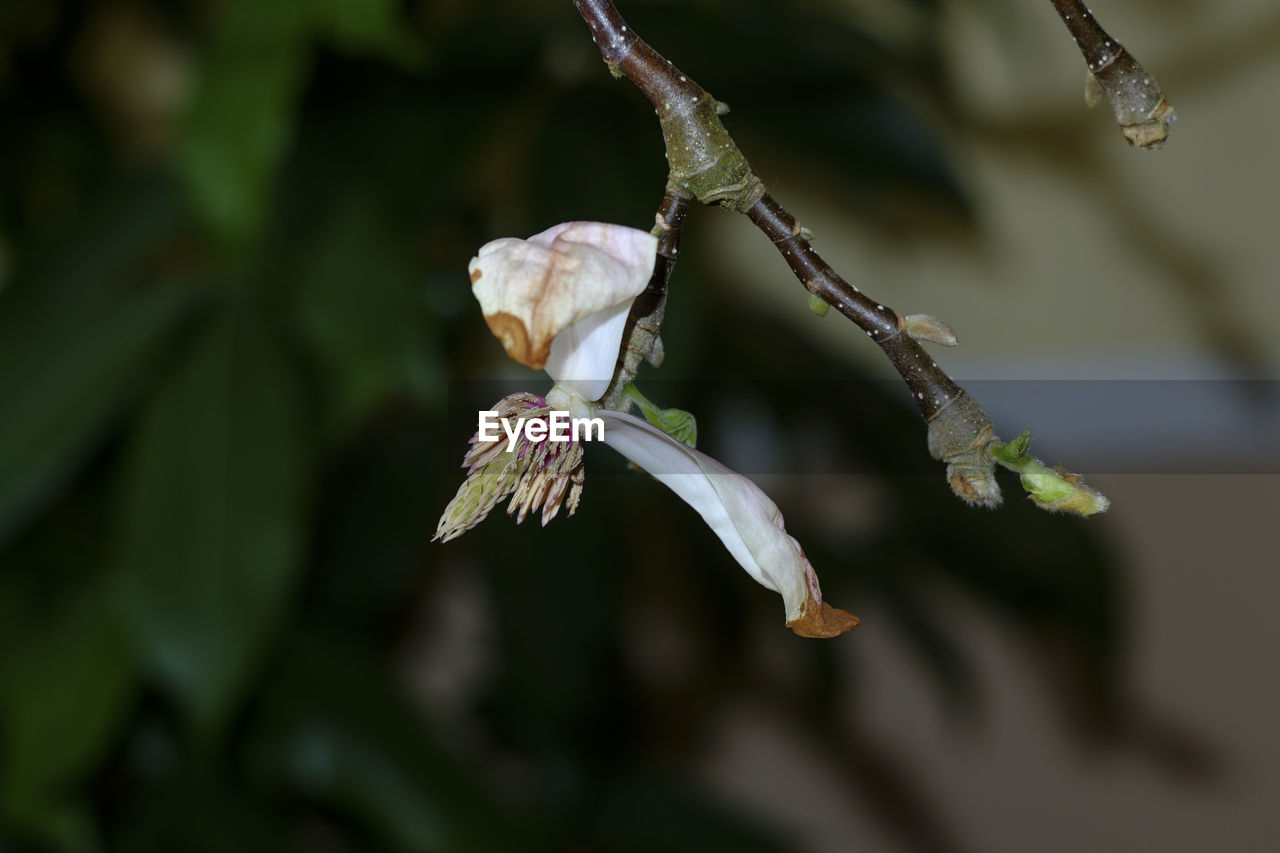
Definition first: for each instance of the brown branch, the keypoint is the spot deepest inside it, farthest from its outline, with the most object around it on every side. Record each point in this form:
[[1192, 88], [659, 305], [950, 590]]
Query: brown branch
[[706, 164], [644, 323], [1140, 108], [959, 429], [931, 388]]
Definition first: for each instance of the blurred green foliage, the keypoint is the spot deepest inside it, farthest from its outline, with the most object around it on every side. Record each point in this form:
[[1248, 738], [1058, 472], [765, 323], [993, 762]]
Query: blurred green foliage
[[232, 294]]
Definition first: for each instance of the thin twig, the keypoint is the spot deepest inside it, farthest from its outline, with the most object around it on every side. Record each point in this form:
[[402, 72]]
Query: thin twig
[[706, 164], [644, 324], [1140, 108], [932, 389]]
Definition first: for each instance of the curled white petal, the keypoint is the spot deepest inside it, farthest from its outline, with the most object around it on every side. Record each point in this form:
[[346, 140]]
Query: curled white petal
[[533, 290], [747, 522]]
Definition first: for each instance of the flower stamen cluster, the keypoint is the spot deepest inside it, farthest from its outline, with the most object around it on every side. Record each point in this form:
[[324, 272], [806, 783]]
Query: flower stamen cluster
[[536, 473]]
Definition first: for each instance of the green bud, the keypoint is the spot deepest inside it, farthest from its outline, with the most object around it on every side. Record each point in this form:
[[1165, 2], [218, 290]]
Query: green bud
[[1045, 486], [1051, 488]]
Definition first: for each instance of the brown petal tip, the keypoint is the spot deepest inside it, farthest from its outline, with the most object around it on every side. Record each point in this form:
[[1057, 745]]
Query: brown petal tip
[[823, 621]]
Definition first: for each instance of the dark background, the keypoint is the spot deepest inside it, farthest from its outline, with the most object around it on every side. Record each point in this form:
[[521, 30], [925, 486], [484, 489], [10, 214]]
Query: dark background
[[236, 338]]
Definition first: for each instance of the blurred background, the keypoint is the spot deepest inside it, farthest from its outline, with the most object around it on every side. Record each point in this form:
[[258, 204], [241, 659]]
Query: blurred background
[[239, 363]]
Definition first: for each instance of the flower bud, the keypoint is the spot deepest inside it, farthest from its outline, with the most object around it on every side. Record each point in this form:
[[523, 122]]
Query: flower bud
[[924, 327]]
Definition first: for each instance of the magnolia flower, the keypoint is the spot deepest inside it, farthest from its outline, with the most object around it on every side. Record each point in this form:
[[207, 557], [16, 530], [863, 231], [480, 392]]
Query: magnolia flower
[[560, 300]]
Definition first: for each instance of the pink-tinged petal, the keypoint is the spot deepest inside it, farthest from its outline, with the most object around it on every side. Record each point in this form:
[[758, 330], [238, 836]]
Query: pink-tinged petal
[[747, 522], [532, 290]]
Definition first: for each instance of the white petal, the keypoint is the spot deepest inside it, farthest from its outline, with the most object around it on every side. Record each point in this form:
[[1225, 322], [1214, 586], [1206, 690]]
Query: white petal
[[747, 522], [583, 356], [532, 290]]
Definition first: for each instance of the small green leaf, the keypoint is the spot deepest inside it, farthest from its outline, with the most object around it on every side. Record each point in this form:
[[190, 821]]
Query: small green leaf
[[680, 425], [1051, 488], [677, 423], [1012, 451]]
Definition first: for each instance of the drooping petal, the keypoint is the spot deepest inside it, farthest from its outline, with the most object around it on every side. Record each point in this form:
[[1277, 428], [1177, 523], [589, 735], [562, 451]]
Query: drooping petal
[[747, 522], [532, 290]]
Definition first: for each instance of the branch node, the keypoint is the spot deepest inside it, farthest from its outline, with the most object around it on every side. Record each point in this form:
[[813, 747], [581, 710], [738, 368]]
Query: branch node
[[959, 433]]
